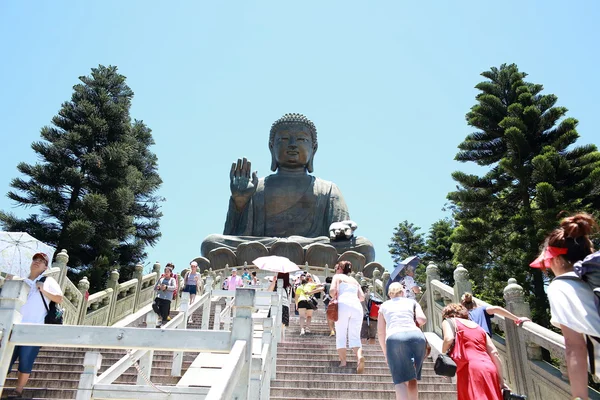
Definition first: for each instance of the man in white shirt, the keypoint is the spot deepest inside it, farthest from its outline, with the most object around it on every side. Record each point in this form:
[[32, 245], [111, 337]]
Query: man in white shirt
[[234, 281], [34, 312]]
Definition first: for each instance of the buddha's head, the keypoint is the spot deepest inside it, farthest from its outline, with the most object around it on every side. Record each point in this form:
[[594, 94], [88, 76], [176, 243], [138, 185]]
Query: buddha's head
[[293, 142]]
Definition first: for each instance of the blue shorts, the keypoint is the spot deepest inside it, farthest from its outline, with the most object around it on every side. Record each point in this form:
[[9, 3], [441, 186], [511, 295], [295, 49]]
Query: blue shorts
[[405, 353], [191, 289], [26, 356]]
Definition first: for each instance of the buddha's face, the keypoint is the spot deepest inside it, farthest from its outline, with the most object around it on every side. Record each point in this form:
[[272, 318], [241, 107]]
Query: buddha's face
[[292, 147]]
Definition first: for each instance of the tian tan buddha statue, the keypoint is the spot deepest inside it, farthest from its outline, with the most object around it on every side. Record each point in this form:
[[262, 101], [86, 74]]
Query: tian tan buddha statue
[[289, 205]]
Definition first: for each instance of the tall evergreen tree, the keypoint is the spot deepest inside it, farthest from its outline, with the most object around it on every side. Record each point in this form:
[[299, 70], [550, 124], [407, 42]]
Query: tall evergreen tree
[[94, 191], [534, 173], [407, 241], [438, 248]]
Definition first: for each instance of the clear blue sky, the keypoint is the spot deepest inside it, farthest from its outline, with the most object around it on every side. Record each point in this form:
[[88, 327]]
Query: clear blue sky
[[387, 84]]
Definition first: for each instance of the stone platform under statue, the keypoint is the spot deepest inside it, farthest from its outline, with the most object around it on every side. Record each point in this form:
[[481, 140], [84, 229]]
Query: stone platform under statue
[[289, 213]]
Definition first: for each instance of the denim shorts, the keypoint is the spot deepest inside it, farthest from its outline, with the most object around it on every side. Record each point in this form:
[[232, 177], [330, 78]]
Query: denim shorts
[[405, 353], [26, 356], [191, 289]]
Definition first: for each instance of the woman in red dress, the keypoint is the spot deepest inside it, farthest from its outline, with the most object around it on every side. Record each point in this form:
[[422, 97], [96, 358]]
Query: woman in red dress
[[479, 369]]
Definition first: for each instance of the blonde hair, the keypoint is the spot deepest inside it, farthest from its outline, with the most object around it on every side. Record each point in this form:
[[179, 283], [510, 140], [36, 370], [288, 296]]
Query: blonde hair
[[395, 290]]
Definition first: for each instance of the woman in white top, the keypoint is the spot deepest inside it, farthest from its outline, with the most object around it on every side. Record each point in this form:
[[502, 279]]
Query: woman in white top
[[346, 290], [402, 341], [572, 301]]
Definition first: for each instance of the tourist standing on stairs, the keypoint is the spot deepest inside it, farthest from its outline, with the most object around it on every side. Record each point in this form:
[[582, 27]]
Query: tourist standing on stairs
[[573, 304], [191, 281], [482, 315], [402, 341], [34, 311], [346, 290], [304, 305], [286, 295], [234, 281], [162, 303], [479, 369]]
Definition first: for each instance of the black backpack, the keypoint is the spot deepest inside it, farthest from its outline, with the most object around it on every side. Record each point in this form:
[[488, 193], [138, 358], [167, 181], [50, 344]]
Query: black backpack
[[55, 312]]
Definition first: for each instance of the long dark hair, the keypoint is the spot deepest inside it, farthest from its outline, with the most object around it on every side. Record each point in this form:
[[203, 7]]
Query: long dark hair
[[286, 280]]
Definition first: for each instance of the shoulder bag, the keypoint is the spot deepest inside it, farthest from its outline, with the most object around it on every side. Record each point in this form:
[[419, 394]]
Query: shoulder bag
[[444, 364], [54, 312]]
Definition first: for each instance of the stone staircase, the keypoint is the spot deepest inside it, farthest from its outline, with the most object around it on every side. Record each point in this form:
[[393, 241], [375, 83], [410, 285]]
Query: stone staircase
[[308, 368], [56, 371]]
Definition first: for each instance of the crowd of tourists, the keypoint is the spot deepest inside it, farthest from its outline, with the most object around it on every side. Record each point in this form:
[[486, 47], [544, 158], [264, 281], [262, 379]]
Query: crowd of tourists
[[361, 316]]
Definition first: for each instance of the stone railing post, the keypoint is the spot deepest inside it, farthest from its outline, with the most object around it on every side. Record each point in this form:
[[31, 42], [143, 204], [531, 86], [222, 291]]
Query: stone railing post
[[83, 286], [519, 352], [156, 270], [92, 362], [178, 355], [145, 362], [461, 282], [138, 274], [326, 274], [61, 261], [242, 329], [13, 296], [113, 283], [433, 274], [206, 305]]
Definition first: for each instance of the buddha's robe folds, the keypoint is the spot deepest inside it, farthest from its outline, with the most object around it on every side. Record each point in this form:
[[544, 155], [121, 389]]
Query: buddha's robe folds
[[303, 217]]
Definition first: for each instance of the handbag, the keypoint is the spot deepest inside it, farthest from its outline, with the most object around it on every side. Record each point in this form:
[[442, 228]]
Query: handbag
[[54, 312], [507, 394], [314, 302], [444, 364], [332, 311]]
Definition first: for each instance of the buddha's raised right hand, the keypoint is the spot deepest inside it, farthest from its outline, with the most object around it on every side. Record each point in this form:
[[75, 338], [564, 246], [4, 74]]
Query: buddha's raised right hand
[[242, 188]]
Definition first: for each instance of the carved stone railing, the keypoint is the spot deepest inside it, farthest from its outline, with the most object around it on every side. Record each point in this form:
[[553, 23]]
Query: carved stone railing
[[98, 308], [124, 299], [146, 290], [72, 302], [520, 348]]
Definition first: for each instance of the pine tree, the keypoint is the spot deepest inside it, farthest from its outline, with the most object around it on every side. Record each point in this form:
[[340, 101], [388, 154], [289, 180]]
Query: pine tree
[[94, 191], [406, 242], [534, 173], [438, 248]]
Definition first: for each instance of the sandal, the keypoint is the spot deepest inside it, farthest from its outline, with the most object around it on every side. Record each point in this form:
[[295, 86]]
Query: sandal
[[361, 365]]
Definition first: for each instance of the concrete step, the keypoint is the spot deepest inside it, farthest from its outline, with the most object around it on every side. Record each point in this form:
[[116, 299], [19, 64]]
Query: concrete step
[[281, 393], [342, 377], [40, 393], [356, 384]]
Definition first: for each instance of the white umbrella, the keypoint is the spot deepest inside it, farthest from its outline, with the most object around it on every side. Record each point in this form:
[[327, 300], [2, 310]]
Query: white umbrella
[[17, 250], [275, 264]]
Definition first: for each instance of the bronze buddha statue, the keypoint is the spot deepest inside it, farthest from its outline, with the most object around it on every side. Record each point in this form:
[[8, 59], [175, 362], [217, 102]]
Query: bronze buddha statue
[[290, 204]]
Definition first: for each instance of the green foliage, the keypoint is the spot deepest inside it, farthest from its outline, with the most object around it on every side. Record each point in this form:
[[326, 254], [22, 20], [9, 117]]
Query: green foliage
[[438, 249], [94, 190], [406, 242], [534, 174]]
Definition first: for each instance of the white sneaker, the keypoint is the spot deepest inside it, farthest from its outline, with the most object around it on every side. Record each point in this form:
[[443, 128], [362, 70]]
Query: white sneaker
[[301, 332], [307, 330]]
